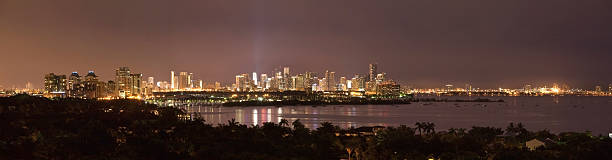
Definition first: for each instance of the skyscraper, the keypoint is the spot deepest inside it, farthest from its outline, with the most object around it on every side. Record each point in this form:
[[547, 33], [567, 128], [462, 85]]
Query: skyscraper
[[263, 81], [343, 84], [172, 80], [91, 86], [373, 72], [330, 81], [73, 86], [127, 84], [55, 85], [183, 81], [255, 79]]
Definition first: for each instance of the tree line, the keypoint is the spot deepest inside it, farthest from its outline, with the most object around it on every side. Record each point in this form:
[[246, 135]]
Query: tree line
[[40, 128]]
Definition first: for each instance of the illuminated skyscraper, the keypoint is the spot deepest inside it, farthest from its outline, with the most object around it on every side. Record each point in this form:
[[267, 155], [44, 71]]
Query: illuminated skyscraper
[[74, 88], [55, 85], [127, 84], [263, 81], [150, 81], [183, 81], [343, 84], [92, 88], [255, 79], [329, 82], [373, 72], [286, 72], [172, 80], [357, 83]]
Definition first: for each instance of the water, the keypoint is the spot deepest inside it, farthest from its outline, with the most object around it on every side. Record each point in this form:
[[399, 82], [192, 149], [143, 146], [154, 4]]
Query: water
[[557, 114]]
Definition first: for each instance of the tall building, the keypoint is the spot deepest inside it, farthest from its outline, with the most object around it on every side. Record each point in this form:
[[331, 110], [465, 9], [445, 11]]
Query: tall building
[[373, 72], [150, 81], [190, 81], [263, 81], [55, 85], [255, 79], [380, 77], [172, 80], [357, 83], [343, 85], [74, 87], [240, 83], [91, 86], [286, 72], [183, 81], [300, 84], [286, 79], [330, 81], [127, 84]]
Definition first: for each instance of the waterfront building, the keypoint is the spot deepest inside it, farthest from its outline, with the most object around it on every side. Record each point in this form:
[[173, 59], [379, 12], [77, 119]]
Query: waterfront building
[[388, 89], [373, 72], [263, 81], [330, 81], [343, 85], [255, 80], [357, 83]]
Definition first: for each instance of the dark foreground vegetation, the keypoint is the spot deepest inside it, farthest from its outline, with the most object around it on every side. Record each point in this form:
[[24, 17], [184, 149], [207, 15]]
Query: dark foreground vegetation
[[38, 128]]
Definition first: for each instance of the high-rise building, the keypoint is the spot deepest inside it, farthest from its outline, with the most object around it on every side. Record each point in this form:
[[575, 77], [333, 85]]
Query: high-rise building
[[127, 84], [150, 81], [373, 72], [240, 83], [357, 83], [330, 81], [217, 86], [55, 85], [286, 72], [343, 85], [172, 80], [190, 81], [183, 81], [263, 81], [255, 79], [380, 77], [92, 87], [74, 87], [299, 82]]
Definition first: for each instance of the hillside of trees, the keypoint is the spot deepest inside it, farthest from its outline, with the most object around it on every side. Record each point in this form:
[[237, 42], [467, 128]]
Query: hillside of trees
[[40, 128]]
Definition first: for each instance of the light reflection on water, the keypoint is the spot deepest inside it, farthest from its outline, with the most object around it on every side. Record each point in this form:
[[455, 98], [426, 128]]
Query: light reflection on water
[[557, 114]]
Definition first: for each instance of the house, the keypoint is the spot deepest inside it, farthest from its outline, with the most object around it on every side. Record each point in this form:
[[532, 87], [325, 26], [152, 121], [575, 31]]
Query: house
[[534, 144]]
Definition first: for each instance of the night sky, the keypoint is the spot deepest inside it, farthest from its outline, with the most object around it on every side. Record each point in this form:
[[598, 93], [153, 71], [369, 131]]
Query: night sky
[[428, 43]]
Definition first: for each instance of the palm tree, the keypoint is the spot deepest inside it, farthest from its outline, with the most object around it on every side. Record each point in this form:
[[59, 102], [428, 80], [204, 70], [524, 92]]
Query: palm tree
[[431, 127], [419, 126], [284, 122]]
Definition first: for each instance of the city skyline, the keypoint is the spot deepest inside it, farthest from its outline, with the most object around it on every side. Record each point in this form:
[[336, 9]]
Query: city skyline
[[425, 43], [366, 73]]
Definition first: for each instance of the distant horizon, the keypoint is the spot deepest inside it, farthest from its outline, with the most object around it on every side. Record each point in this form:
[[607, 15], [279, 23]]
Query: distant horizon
[[38, 83]]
